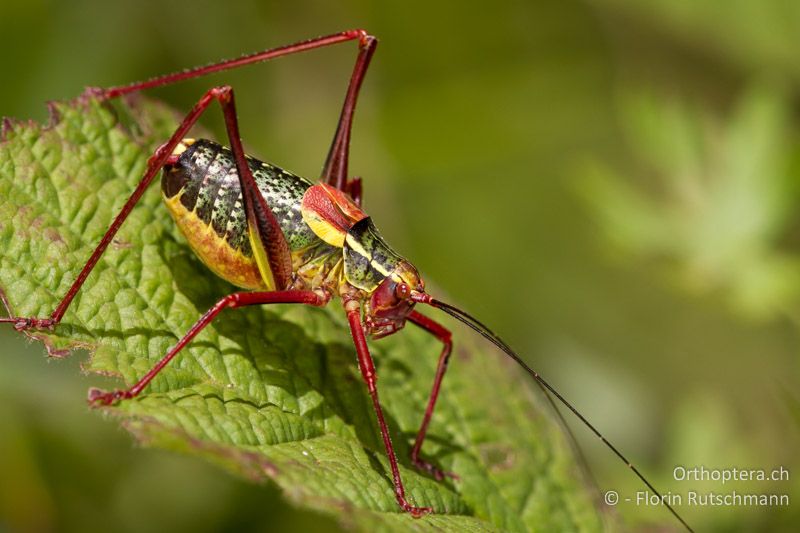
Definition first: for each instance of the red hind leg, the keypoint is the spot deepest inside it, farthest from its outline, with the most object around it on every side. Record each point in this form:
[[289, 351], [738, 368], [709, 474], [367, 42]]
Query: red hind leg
[[232, 301], [229, 64], [268, 227], [354, 190], [335, 169], [154, 164], [334, 172]]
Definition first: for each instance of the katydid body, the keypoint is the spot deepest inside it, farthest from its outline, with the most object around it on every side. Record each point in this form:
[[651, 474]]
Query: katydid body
[[334, 246], [287, 239], [202, 191]]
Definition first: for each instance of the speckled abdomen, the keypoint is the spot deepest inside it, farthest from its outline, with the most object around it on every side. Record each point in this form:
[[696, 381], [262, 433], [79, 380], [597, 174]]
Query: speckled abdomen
[[203, 194]]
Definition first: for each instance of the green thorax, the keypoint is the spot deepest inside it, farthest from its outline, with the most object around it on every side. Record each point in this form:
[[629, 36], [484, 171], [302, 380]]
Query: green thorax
[[368, 259]]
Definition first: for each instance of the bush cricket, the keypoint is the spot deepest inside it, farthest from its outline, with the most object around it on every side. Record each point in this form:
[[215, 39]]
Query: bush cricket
[[287, 240]]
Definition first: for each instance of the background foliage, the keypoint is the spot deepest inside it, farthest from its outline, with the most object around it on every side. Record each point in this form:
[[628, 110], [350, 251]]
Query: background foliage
[[612, 184]]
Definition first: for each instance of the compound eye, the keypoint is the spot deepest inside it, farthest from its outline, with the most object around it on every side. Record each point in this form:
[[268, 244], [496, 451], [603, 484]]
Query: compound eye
[[403, 291]]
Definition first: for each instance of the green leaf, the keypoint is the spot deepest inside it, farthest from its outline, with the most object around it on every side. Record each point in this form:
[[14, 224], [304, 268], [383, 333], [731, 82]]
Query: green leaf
[[270, 393]]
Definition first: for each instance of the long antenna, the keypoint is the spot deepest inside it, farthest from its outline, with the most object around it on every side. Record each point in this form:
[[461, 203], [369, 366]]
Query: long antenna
[[476, 325]]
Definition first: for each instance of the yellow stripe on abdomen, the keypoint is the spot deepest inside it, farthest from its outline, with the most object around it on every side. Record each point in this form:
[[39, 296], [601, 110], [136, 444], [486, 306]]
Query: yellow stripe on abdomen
[[226, 262]]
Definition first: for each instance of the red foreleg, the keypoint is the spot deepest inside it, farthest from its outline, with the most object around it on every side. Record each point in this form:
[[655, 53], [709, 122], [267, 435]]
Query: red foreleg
[[353, 309], [444, 335], [239, 299]]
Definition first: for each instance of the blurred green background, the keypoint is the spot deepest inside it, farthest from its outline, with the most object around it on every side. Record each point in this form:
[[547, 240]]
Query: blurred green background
[[611, 184]]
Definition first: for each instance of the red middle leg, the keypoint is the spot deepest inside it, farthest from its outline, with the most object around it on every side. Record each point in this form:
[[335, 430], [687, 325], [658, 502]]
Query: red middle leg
[[239, 299]]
